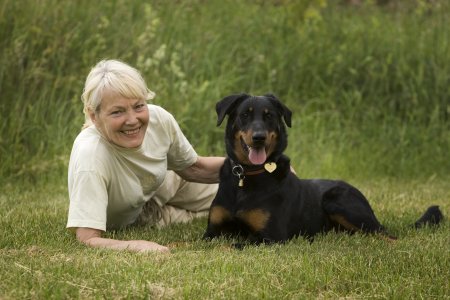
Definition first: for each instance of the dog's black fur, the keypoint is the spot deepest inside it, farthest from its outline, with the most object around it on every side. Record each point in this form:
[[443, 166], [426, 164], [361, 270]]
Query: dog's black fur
[[266, 207]]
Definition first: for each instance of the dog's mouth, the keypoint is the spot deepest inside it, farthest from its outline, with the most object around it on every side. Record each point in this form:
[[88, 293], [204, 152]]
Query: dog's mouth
[[256, 154]]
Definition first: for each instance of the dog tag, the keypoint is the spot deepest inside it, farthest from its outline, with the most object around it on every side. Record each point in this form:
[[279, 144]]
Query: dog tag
[[270, 167], [241, 182]]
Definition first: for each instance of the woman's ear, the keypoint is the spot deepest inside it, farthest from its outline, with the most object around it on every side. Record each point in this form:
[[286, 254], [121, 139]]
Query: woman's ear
[[92, 116]]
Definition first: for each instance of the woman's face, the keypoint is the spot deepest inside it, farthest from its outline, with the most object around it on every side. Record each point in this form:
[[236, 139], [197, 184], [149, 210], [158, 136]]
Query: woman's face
[[122, 121]]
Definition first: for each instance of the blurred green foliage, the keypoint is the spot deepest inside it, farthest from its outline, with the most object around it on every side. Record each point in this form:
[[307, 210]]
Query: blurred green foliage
[[369, 84]]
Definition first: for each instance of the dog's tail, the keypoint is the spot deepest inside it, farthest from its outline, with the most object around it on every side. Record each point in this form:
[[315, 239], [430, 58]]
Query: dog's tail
[[433, 216]]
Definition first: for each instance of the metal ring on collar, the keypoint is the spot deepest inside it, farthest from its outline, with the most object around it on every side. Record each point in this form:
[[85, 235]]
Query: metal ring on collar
[[237, 170]]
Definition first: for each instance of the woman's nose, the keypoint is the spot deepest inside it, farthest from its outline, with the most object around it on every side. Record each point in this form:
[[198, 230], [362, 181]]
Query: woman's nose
[[131, 118]]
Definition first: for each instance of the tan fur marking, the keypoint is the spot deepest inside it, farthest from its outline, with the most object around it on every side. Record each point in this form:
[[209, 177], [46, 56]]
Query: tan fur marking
[[218, 215], [349, 226], [342, 221], [247, 136], [256, 218], [271, 142], [241, 155]]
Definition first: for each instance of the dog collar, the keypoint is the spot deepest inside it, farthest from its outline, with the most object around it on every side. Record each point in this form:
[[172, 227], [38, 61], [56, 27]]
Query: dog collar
[[239, 171]]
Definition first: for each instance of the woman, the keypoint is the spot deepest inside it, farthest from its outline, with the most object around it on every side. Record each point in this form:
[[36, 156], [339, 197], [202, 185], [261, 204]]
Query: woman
[[118, 170]]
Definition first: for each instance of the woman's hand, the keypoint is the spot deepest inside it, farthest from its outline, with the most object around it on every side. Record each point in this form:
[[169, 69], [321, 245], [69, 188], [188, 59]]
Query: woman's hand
[[145, 246], [92, 237]]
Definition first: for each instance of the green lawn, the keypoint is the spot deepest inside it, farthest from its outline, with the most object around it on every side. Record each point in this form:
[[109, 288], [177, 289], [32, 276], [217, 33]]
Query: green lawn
[[41, 259]]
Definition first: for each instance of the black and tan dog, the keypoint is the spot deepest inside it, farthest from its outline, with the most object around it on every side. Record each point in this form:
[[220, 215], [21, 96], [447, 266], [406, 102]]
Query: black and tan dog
[[260, 199]]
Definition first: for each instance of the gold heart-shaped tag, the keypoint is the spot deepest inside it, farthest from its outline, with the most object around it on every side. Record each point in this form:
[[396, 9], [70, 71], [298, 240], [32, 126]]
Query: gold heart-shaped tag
[[270, 167]]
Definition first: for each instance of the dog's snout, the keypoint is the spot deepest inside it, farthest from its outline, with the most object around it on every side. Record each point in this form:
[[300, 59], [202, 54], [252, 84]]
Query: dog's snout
[[258, 136]]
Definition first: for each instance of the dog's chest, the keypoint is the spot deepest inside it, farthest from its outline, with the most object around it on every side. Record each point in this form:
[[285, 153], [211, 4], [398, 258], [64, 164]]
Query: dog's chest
[[251, 205], [246, 209]]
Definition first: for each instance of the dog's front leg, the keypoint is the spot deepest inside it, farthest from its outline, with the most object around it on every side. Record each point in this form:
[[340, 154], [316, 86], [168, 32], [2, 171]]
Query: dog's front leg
[[259, 238], [219, 222], [211, 232]]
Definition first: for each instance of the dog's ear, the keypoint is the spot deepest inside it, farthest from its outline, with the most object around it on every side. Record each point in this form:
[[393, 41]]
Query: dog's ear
[[226, 105], [284, 111]]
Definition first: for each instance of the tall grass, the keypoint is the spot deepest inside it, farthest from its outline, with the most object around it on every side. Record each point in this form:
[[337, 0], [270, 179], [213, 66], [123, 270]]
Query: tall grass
[[368, 85]]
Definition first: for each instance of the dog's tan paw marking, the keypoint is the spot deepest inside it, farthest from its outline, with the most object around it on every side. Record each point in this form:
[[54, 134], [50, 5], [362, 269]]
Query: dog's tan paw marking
[[219, 214], [256, 218]]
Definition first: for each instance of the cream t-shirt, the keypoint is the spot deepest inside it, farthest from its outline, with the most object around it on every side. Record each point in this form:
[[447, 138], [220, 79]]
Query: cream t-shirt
[[108, 184]]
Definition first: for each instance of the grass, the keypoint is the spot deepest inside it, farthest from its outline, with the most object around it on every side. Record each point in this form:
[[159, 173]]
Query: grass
[[41, 259], [365, 83], [368, 86]]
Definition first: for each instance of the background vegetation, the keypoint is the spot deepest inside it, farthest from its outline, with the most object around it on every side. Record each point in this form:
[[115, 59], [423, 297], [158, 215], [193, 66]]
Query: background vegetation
[[369, 87]]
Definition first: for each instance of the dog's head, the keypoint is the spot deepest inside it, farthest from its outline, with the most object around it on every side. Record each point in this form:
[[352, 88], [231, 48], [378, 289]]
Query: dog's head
[[255, 130]]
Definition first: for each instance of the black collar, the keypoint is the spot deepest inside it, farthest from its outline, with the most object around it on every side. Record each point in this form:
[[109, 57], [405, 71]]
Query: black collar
[[242, 170]]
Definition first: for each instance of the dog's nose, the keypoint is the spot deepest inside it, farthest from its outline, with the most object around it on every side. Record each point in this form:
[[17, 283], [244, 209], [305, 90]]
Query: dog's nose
[[258, 137]]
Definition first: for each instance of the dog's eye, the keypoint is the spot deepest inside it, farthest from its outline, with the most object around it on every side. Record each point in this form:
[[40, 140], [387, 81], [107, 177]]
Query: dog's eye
[[268, 115], [244, 115]]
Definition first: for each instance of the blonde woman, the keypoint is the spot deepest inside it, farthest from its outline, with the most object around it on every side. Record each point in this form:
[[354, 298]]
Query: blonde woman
[[131, 164]]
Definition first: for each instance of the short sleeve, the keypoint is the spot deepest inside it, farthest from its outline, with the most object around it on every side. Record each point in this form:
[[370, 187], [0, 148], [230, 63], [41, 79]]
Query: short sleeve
[[88, 201], [181, 154]]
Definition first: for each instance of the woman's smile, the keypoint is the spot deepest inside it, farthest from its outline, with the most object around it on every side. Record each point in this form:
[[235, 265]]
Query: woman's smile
[[131, 131], [122, 121]]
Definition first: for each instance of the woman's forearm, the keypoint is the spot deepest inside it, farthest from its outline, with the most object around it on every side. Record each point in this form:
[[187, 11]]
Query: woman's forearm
[[92, 238], [133, 245], [204, 170]]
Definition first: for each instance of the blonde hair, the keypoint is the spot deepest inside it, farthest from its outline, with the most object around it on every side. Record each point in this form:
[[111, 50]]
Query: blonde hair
[[115, 77]]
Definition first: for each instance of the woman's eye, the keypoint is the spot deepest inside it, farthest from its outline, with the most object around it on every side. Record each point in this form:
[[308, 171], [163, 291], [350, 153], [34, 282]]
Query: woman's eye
[[116, 113], [140, 106]]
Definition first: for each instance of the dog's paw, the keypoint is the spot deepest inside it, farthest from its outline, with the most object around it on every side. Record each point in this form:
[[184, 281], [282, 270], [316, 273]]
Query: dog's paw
[[239, 246], [208, 236]]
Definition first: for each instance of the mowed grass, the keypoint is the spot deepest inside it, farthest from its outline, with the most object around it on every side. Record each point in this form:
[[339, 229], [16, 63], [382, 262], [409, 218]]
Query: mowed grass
[[42, 260]]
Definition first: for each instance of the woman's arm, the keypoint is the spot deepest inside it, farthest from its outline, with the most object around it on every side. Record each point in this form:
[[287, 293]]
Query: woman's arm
[[93, 238], [204, 170]]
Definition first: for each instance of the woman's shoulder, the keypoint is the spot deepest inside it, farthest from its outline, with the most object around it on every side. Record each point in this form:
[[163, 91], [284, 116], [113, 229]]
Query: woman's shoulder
[[161, 119], [90, 147], [159, 112], [88, 138]]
